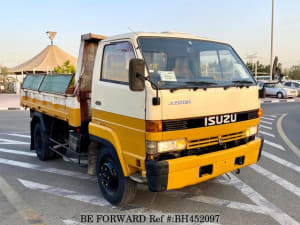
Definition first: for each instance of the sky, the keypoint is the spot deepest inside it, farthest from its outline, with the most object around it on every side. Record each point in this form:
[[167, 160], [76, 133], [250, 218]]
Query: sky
[[243, 24]]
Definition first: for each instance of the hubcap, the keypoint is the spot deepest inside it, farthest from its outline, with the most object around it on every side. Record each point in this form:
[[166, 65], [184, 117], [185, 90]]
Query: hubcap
[[108, 176]]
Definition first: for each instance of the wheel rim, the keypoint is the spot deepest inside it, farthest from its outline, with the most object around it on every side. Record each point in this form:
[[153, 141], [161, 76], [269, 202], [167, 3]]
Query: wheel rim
[[108, 175]]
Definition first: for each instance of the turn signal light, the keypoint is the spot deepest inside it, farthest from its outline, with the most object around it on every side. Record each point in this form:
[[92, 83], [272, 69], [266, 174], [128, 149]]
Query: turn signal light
[[260, 113], [153, 125]]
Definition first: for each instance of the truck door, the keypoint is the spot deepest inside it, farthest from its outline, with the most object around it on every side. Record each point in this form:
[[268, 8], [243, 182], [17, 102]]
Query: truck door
[[114, 104]]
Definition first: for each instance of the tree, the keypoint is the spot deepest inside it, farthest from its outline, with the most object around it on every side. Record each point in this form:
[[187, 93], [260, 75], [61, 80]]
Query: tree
[[294, 72], [260, 67], [66, 68]]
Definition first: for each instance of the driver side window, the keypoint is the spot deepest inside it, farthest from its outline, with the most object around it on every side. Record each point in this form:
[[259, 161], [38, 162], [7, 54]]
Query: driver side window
[[115, 62]]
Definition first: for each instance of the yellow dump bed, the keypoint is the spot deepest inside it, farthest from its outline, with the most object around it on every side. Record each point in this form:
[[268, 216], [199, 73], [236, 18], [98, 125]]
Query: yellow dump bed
[[52, 95]]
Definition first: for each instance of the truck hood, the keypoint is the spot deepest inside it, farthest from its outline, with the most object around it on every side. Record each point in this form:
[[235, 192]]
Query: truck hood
[[187, 103]]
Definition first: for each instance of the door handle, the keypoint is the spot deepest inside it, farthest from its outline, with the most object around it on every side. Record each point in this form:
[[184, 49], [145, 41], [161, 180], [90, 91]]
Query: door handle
[[98, 102]]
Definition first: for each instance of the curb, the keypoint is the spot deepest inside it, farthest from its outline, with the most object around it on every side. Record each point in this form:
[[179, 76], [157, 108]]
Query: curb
[[288, 142], [11, 108], [278, 101]]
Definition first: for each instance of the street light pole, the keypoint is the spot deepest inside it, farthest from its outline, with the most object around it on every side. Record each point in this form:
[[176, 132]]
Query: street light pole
[[271, 57]]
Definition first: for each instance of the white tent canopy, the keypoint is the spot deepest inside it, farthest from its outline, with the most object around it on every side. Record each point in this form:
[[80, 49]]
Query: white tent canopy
[[45, 61]]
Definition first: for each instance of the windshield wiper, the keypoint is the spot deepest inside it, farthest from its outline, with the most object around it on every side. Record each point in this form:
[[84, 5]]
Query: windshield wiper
[[193, 85], [201, 82], [241, 83]]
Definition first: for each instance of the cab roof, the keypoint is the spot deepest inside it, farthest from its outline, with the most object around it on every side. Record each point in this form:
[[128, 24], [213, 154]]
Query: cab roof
[[167, 34]]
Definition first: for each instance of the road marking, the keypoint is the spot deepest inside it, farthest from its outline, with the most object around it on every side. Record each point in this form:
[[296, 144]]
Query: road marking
[[265, 122], [258, 199], [281, 161], [48, 170], [266, 133], [263, 205], [17, 152], [222, 202], [19, 132], [20, 135], [75, 160], [274, 116], [276, 100], [285, 138], [10, 151], [222, 181], [25, 211], [230, 204], [266, 127], [279, 180], [290, 100], [12, 142], [90, 199], [94, 200], [219, 180], [267, 118], [274, 145]]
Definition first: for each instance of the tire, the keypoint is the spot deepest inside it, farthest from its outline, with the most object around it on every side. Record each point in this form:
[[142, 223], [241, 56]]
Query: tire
[[41, 143], [115, 188], [279, 95]]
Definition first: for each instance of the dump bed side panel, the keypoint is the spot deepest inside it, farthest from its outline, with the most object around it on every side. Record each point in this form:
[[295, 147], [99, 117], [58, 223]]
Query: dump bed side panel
[[66, 108], [48, 94]]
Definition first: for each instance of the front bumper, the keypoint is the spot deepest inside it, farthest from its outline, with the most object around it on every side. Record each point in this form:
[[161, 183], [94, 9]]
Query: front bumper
[[189, 170], [292, 95]]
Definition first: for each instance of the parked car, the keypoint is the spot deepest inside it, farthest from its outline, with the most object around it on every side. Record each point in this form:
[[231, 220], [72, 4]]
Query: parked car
[[278, 90], [294, 85]]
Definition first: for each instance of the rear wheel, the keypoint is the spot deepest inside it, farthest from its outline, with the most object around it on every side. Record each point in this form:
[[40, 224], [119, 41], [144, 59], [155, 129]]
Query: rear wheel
[[116, 188], [41, 143], [279, 95]]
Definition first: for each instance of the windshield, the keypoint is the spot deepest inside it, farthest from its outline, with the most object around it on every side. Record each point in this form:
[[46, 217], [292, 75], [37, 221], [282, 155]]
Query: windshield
[[174, 62]]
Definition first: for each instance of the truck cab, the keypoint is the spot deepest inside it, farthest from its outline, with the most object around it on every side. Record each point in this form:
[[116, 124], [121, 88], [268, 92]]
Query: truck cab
[[166, 109], [188, 111]]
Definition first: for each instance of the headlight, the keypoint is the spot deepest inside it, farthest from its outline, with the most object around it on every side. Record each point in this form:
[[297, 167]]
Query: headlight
[[153, 147], [251, 131]]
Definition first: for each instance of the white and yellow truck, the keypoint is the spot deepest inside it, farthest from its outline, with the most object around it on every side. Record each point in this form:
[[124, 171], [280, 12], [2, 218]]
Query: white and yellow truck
[[168, 109]]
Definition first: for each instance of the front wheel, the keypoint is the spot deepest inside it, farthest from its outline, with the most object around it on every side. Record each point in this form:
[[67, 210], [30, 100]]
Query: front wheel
[[116, 188], [279, 95]]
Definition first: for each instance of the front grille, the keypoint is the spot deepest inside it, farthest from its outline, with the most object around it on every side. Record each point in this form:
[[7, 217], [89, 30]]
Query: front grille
[[174, 125], [200, 143], [182, 124], [252, 115]]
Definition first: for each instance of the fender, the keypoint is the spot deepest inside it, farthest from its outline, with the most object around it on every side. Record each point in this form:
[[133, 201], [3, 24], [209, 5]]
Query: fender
[[41, 117], [105, 134]]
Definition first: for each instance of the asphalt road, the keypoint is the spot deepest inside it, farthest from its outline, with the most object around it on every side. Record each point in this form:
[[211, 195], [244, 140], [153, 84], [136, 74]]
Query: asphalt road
[[58, 192]]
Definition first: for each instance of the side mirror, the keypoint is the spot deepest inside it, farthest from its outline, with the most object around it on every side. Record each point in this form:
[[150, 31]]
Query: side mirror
[[137, 75]]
